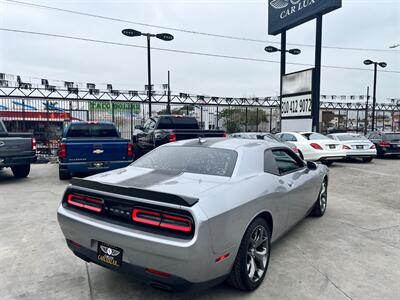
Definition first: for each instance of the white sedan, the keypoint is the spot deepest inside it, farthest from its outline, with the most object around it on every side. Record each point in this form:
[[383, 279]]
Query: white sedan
[[315, 146], [356, 145]]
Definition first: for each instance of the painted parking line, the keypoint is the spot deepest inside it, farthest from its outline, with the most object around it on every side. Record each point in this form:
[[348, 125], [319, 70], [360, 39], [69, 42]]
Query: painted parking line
[[372, 172]]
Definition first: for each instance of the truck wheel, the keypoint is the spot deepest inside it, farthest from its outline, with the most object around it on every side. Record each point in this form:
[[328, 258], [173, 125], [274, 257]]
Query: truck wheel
[[252, 260], [21, 171], [64, 175]]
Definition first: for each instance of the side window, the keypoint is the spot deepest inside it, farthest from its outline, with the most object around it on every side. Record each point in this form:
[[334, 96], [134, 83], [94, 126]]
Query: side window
[[286, 162], [270, 163], [284, 137], [291, 138]]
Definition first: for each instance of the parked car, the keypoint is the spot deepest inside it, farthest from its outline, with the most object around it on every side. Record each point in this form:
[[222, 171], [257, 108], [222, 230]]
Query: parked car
[[193, 213], [315, 146], [17, 151], [92, 147], [386, 143], [356, 145], [163, 129], [264, 136]]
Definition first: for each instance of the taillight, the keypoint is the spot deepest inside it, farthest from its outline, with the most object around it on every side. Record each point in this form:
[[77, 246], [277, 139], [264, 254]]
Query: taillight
[[62, 150], [372, 147], [92, 204], [384, 144], [130, 150], [172, 137], [316, 146], [34, 145], [345, 147], [146, 217], [224, 135], [162, 220], [176, 223]]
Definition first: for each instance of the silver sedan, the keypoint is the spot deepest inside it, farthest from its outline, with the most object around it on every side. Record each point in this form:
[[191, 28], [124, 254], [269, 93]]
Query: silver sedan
[[194, 213]]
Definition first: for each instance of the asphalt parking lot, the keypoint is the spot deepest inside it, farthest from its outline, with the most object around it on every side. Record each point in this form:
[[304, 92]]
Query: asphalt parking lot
[[353, 252]]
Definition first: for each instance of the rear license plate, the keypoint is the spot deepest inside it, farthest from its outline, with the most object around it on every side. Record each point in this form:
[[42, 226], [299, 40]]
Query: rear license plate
[[359, 147], [98, 165], [332, 146], [109, 255]]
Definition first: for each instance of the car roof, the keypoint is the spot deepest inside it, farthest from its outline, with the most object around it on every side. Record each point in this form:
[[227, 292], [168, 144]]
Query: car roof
[[225, 143], [345, 133]]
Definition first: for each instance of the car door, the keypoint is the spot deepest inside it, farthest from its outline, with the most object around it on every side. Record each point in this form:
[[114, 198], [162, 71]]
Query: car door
[[299, 183]]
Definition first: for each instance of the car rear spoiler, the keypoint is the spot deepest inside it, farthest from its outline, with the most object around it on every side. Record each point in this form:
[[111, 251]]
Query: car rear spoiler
[[135, 192]]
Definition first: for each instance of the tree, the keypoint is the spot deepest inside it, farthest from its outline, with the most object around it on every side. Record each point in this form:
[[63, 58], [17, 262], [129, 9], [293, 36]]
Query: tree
[[235, 118], [179, 110]]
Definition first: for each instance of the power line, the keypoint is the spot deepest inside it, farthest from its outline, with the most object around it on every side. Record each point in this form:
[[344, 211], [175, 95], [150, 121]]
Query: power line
[[183, 51], [189, 31]]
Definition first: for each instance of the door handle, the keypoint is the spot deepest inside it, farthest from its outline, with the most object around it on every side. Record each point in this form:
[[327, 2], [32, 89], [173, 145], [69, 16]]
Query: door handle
[[290, 183]]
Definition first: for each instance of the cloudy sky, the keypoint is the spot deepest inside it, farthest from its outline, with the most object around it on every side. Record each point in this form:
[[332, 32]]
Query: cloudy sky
[[367, 24]]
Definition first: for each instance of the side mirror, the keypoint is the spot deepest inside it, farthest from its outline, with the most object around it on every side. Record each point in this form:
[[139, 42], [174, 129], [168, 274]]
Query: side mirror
[[312, 165]]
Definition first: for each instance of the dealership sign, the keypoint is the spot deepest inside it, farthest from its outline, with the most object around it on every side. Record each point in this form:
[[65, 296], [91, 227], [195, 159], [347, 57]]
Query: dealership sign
[[108, 106], [297, 101], [286, 14]]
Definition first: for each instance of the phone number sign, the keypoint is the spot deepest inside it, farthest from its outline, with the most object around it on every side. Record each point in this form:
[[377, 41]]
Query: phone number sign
[[297, 106]]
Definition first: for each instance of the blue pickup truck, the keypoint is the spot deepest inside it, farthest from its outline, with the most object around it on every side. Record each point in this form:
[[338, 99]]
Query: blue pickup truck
[[92, 147]]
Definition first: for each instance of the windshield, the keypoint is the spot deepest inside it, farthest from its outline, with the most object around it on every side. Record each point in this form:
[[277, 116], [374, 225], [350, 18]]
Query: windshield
[[92, 130], [393, 137], [198, 160], [351, 137], [311, 136]]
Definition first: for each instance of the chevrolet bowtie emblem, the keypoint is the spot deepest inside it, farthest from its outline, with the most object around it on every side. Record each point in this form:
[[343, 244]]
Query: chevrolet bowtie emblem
[[98, 151]]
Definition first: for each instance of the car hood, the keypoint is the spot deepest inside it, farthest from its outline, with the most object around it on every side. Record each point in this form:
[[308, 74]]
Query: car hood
[[185, 184]]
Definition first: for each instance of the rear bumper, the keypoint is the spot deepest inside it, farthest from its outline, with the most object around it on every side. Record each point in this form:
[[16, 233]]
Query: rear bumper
[[361, 153], [386, 151], [87, 167], [191, 263], [171, 283], [17, 161]]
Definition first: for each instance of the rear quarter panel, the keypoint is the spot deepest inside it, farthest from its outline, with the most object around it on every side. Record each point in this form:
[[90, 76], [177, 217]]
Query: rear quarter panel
[[233, 206]]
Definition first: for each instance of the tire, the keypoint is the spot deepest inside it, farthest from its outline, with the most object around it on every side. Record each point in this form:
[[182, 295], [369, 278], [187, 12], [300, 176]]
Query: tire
[[328, 163], [320, 205], [64, 175], [247, 259], [21, 171], [367, 159]]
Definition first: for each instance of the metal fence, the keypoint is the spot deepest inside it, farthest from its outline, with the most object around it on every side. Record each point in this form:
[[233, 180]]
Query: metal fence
[[44, 113]]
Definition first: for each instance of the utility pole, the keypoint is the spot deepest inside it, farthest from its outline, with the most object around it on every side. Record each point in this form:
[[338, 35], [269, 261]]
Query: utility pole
[[169, 95]]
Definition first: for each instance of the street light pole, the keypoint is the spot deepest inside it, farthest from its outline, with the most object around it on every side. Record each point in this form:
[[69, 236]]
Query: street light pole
[[283, 50], [149, 72], [376, 64], [161, 36], [374, 96]]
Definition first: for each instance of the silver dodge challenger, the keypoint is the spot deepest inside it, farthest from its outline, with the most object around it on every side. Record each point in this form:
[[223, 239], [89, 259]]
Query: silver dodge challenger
[[192, 214]]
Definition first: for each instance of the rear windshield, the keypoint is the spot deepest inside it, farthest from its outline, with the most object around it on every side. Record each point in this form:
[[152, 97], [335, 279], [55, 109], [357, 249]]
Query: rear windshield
[[92, 130], [351, 137], [177, 123], [198, 160], [393, 137], [315, 136]]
